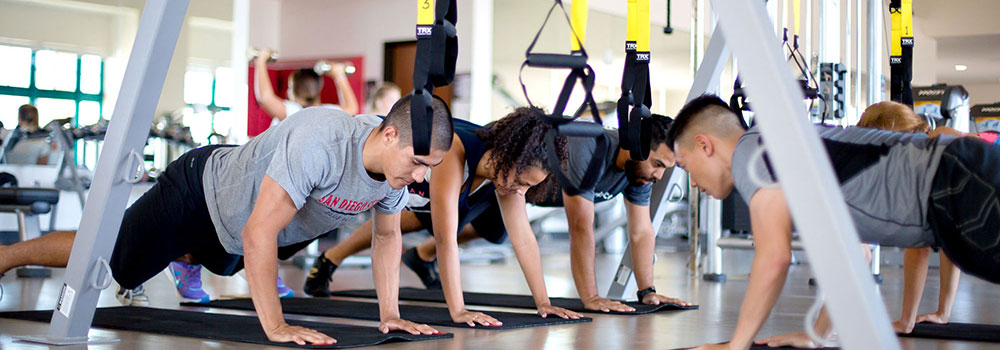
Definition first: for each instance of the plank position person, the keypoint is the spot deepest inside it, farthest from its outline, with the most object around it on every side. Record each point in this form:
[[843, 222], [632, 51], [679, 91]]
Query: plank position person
[[226, 206], [894, 116], [489, 166], [939, 187]]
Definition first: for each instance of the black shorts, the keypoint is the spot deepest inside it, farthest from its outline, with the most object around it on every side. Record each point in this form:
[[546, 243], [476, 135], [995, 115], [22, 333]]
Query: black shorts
[[487, 221], [171, 220], [965, 207]]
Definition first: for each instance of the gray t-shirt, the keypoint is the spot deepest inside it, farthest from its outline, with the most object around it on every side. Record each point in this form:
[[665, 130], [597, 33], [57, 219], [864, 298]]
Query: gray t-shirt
[[885, 178], [315, 155], [610, 183]]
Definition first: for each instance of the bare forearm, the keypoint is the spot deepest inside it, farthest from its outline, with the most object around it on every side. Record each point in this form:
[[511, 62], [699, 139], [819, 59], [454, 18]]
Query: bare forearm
[[385, 267], [348, 102], [915, 263], [643, 244], [581, 246], [451, 278], [526, 249], [767, 277], [949, 285], [262, 272]]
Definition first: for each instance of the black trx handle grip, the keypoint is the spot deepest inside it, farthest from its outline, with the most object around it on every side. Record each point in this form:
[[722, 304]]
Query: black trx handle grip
[[551, 60], [581, 129], [580, 72]]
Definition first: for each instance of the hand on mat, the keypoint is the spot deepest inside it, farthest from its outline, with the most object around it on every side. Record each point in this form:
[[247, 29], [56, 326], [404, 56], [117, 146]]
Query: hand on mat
[[396, 324], [597, 303], [795, 340], [472, 318], [724, 346], [300, 335], [548, 309], [656, 299], [936, 317], [901, 326]]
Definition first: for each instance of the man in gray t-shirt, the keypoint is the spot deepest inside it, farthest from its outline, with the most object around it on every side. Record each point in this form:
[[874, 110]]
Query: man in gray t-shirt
[[901, 189], [226, 207], [620, 174]]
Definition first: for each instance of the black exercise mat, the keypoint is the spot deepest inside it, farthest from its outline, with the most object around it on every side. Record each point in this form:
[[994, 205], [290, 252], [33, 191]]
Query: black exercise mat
[[438, 316], [956, 331], [508, 300], [244, 329]]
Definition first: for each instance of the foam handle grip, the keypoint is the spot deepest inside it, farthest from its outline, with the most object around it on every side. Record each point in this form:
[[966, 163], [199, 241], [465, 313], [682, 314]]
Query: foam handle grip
[[581, 129], [550, 60]]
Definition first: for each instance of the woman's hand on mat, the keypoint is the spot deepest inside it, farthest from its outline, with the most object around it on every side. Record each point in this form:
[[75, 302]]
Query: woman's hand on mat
[[902, 326], [472, 318], [396, 324], [795, 340], [300, 335], [547, 309], [597, 303], [656, 299], [936, 317]]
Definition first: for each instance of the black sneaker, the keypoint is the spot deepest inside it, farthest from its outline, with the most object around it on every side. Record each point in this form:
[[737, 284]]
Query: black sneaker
[[427, 271], [318, 282]]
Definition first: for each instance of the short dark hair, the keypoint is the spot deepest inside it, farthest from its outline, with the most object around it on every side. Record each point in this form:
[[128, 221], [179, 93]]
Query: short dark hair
[[517, 142], [27, 114], [688, 113], [659, 126], [441, 131]]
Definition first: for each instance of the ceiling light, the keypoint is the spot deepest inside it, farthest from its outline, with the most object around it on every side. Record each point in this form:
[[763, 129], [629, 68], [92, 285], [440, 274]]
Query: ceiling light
[[961, 67]]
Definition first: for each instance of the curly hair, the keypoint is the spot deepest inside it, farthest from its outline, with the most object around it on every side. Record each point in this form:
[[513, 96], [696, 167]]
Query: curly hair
[[517, 142]]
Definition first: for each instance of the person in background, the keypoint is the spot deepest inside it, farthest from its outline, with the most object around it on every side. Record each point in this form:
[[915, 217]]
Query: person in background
[[28, 143], [384, 97], [304, 89]]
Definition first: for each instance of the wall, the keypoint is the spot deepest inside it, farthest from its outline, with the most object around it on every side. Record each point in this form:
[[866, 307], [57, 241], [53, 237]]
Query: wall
[[983, 93], [110, 31]]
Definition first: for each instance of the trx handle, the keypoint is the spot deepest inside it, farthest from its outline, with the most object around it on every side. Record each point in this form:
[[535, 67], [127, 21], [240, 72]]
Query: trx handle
[[636, 91], [434, 65], [582, 73], [901, 52]]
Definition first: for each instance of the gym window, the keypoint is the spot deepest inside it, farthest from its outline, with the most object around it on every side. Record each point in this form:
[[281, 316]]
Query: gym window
[[61, 84], [208, 93]]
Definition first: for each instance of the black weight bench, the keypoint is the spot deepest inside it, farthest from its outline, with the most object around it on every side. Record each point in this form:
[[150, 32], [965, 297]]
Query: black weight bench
[[28, 204]]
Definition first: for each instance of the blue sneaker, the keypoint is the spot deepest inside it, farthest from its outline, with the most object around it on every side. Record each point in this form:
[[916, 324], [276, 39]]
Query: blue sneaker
[[283, 290], [188, 281]]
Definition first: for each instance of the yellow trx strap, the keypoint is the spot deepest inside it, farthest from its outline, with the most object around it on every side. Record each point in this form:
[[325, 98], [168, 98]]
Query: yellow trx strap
[[796, 14], [425, 17], [635, 83], [578, 23], [901, 51]]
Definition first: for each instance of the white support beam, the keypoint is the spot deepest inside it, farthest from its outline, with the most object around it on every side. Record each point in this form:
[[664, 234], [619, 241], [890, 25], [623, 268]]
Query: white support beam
[[815, 201], [102, 216]]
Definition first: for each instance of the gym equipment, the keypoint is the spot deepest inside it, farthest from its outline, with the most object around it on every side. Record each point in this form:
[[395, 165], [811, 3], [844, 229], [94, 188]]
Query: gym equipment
[[369, 311], [253, 52], [579, 70], [986, 118], [942, 104], [636, 91], [956, 331], [28, 204], [155, 39], [323, 67], [437, 51], [507, 300], [901, 51], [243, 329]]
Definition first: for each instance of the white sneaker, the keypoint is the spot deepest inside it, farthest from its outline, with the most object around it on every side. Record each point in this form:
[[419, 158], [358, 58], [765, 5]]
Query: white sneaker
[[133, 297]]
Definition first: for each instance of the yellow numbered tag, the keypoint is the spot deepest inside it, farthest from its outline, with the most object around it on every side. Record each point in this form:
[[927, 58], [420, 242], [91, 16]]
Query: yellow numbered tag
[[425, 17], [578, 20]]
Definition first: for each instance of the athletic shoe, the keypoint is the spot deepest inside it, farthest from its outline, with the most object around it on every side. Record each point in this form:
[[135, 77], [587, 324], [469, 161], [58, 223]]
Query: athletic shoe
[[427, 271], [133, 297], [187, 279], [283, 290], [318, 282]]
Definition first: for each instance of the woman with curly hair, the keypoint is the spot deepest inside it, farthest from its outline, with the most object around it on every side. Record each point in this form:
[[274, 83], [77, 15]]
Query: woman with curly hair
[[486, 166]]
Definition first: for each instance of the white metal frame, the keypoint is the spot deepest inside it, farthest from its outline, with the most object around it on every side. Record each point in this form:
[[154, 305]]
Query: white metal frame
[[152, 50], [815, 201]]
